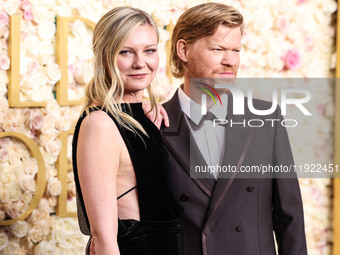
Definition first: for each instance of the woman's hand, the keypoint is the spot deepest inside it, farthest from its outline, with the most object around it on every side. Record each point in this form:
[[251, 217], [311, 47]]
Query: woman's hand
[[161, 114]]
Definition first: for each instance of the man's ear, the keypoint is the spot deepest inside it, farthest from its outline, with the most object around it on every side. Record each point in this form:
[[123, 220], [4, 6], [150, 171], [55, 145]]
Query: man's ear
[[182, 50]]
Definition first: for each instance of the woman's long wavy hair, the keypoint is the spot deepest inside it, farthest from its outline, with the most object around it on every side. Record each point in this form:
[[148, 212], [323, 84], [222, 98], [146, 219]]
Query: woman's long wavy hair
[[106, 89]]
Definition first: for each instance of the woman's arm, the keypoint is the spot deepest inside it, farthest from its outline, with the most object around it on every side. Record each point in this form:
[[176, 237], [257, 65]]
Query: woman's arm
[[98, 156]]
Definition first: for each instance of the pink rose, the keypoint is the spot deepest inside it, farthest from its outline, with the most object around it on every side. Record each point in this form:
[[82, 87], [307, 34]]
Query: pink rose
[[32, 67], [4, 62], [292, 60], [4, 20], [36, 120], [28, 15], [301, 1]]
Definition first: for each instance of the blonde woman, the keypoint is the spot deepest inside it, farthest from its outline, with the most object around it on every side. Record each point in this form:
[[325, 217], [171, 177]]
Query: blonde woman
[[122, 171]]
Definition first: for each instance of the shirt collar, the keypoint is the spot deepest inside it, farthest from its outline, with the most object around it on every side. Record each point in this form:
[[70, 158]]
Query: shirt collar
[[193, 110]]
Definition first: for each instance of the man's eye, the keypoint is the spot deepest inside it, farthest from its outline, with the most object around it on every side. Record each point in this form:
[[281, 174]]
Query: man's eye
[[217, 49], [237, 50]]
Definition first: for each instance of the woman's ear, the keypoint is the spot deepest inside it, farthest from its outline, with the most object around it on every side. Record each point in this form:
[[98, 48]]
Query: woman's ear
[[182, 50]]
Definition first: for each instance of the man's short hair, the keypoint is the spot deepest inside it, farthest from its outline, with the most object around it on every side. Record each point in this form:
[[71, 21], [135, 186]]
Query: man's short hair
[[200, 21]]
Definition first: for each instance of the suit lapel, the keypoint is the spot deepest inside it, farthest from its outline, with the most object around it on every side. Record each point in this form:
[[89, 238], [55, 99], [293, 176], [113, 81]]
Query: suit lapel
[[238, 139], [177, 140]]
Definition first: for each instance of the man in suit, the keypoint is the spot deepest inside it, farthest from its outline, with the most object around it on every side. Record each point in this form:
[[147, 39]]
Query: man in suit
[[227, 214]]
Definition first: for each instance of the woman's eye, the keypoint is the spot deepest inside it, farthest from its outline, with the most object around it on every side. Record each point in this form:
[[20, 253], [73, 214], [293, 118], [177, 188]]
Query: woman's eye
[[124, 52], [151, 50]]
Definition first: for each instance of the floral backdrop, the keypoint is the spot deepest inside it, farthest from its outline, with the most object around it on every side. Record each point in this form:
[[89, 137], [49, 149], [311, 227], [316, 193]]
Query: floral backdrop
[[283, 38]]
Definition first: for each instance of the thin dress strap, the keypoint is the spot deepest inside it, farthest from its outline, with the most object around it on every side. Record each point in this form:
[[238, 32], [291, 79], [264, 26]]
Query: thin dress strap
[[126, 192]]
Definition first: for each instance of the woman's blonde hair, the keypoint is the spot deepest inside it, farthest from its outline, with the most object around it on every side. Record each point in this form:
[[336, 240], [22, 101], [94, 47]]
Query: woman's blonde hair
[[106, 88], [197, 22]]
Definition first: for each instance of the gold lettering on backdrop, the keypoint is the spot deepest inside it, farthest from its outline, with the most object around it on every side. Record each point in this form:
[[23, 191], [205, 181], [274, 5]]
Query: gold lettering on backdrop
[[14, 71], [41, 175], [63, 167], [62, 59]]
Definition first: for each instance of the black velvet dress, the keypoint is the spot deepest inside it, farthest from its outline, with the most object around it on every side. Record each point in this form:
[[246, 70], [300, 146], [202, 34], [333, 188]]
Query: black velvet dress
[[159, 226]]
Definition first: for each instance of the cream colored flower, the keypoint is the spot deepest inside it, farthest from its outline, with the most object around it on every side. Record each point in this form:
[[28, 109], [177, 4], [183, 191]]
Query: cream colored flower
[[54, 187], [27, 184], [12, 6], [53, 201], [54, 73], [34, 235], [44, 206], [31, 166], [46, 31], [20, 228], [78, 28], [3, 241], [7, 177], [12, 211], [45, 248], [54, 147]]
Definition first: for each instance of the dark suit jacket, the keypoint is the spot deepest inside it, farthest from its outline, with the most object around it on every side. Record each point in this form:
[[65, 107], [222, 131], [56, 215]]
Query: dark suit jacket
[[234, 215]]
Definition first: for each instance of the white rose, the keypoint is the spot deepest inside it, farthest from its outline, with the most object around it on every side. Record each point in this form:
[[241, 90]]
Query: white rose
[[41, 14], [7, 177], [37, 216], [12, 6], [36, 119], [49, 135], [12, 211], [54, 147], [20, 228], [27, 184], [4, 196], [3, 241], [34, 235], [59, 235], [45, 248], [44, 206], [78, 28], [46, 31], [31, 166], [3, 89], [64, 124], [53, 201], [54, 73], [83, 75], [14, 192], [3, 77], [49, 123], [54, 187]]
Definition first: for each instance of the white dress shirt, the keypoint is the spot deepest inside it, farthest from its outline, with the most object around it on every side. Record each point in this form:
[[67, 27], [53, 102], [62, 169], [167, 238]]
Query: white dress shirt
[[209, 139]]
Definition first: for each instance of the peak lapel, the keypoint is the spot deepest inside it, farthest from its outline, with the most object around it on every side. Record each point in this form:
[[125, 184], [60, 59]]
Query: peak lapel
[[238, 139], [177, 140]]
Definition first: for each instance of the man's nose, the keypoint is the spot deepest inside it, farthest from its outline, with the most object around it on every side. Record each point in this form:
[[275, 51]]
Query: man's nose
[[139, 61], [229, 58]]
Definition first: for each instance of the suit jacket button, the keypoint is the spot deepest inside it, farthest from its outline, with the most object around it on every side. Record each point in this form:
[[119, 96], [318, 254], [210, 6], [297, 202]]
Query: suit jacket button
[[250, 188], [185, 197], [240, 228], [207, 231]]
